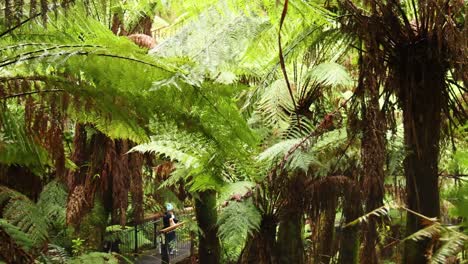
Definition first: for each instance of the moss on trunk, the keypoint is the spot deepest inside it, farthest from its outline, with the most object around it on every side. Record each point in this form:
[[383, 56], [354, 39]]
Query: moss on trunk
[[207, 217], [290, 245]]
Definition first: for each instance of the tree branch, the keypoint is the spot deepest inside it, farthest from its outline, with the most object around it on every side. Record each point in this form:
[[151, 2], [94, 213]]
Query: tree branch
[[31, 92]]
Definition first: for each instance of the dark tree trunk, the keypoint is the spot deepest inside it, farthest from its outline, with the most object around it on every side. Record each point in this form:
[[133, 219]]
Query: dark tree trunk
[[260, 247], [421, 82], [22, 180], [136, 162], [326, 233], [349, 245], [207, 217], [372, 152], [290, 245]]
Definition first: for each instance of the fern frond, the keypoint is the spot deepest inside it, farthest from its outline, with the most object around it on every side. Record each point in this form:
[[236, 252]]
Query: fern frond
[[453, 243], [53, 203], [95, 257], [237, 220], [23, 213], [430, 231], [236, 188], [20, 238], [379, 212]]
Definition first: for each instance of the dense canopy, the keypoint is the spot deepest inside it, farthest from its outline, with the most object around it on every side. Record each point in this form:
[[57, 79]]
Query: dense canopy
[[231, 131]]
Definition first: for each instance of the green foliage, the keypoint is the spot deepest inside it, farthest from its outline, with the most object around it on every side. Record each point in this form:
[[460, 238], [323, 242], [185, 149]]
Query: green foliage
[[16, 147], [453, 241], [318, 155], [95, 257], [236, 221], [78, 56], [78, 246], [20, 237], [21, 212], [92, 227], [126, 235], [52, 202], [239, 188], [33, 224]]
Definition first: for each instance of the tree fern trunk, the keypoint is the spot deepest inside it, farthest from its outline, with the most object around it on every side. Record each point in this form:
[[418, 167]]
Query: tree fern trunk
[[349, 246], [326, 233], [421, 78], [207, 217], [290, 245], [260, 247], [372, 151]]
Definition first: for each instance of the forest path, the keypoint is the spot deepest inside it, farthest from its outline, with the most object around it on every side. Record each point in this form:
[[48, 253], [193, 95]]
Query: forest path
[[154, 257]]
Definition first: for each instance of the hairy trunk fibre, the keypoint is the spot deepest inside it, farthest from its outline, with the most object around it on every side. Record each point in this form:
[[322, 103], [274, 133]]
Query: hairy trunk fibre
[[290, 245], [326, 233], [349, 245], [22, 180], [207, 217], [422, 80], [372, 149], [260, 247], [135, 166]]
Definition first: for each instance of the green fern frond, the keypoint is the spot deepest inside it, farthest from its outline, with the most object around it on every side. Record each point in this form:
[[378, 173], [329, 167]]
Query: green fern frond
[[433, 230], [237, 220], [453, 243], [236, 188], [95, 257], [20, 237], [379, 212], [53, 203], [24, 214]]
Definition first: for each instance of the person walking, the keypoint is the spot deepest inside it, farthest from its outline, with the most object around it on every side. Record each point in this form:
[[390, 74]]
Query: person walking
[[169, 220]]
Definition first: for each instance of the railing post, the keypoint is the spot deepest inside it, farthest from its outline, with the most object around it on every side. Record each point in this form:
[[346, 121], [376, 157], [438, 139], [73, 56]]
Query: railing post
[[136, 238], [155, 234]]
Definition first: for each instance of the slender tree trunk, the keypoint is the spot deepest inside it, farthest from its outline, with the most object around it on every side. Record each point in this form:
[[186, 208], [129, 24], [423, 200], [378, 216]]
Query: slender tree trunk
[[349, 246], [207, 217], [421, 83], [290, 245], [260, 247]]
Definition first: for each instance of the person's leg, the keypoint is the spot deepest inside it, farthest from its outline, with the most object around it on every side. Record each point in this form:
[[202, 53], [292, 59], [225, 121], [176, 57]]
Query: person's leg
[[171, 243]]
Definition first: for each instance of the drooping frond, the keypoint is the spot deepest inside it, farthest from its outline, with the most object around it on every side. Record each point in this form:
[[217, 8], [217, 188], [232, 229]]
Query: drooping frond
[[21, 212], [16, 147], [453, 241], [318, 153], [237, 220], [19, 237], [52, 203], [13, 243]]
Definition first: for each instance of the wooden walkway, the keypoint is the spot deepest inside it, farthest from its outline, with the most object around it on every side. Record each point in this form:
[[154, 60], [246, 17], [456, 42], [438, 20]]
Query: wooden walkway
[[154, 257]]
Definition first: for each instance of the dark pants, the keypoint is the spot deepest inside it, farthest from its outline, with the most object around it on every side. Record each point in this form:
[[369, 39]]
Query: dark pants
[[170, 239]]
